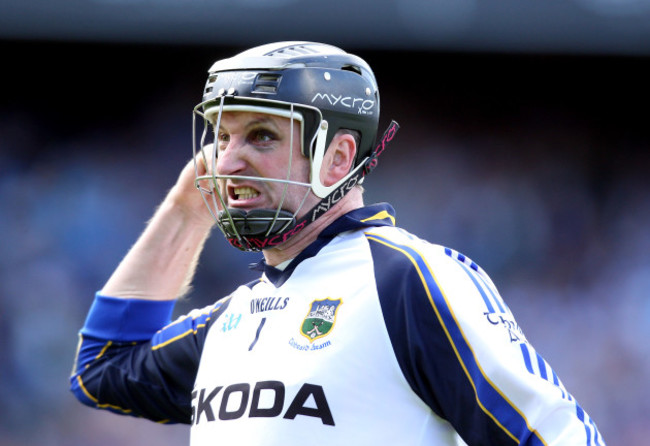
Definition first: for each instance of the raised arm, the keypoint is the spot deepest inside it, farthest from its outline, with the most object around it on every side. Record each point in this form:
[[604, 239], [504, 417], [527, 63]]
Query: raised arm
[[161, 264], [126, 361]]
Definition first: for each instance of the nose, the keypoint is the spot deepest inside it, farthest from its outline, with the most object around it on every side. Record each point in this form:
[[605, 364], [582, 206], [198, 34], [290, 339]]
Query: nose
[[231, 159]]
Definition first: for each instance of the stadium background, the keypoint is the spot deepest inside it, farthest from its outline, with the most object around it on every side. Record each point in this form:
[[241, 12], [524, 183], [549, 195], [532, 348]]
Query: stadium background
[[524, 144]]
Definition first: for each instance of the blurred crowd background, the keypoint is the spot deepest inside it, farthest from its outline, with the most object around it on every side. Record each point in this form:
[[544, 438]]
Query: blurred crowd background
[[533, 165]]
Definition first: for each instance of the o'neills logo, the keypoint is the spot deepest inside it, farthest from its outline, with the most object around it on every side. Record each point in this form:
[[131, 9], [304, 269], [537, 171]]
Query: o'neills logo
[[363, 105]]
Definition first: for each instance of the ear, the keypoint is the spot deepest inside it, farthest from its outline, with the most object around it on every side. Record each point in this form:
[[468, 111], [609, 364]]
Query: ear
[[338, 159]]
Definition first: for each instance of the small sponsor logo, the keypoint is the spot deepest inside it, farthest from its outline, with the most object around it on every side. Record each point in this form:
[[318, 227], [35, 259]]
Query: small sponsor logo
[[230, 321], [514, 332]]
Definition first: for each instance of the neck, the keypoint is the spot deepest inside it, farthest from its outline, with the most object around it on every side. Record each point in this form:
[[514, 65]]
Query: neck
[[294, 246]]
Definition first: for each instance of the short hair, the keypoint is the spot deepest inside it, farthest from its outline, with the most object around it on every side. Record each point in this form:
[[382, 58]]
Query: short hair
[[356, 134]]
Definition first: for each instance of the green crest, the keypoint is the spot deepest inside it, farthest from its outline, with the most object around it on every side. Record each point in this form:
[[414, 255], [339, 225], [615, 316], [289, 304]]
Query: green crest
[[320, 319]]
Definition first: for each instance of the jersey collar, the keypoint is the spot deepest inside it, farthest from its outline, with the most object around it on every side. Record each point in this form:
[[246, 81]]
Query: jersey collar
[[381, 214]]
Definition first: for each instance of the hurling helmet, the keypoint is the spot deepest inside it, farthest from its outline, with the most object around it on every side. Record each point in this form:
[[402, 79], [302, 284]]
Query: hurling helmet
[[319, 86]]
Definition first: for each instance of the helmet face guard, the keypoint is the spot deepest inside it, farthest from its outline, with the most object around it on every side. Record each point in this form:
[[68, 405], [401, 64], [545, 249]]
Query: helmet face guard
[[319, 87], [247, 230]]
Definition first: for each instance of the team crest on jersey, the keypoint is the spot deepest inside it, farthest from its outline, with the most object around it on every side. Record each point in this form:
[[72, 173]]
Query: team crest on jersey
[[320, 319]]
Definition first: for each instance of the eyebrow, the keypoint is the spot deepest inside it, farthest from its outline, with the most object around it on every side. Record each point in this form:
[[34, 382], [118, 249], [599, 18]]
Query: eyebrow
[[260, 120], [263, 120]]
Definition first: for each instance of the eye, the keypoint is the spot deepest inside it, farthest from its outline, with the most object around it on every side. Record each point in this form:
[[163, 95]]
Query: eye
[[223, 139], [262, 137]]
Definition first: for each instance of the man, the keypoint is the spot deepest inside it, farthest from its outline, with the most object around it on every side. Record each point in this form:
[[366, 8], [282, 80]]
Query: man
[[357, 332]]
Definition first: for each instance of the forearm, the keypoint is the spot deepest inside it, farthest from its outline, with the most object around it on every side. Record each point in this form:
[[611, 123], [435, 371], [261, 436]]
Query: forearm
[[161, 264]]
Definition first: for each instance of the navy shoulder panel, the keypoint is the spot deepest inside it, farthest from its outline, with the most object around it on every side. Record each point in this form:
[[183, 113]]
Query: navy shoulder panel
[[408, 297]]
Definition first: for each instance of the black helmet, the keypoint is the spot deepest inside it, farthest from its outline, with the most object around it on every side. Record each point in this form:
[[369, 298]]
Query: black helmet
[[323, 87], [315, 77]]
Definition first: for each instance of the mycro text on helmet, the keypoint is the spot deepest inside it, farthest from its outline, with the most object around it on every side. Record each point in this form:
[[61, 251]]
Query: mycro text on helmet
[[346, 101]]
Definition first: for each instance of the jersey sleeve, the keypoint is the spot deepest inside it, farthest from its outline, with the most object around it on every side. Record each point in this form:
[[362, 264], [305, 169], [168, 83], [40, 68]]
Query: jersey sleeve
[[462, 352], [132, 360]]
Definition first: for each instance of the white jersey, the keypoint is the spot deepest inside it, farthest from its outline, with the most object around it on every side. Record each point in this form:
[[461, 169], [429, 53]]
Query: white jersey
[[372, 336]]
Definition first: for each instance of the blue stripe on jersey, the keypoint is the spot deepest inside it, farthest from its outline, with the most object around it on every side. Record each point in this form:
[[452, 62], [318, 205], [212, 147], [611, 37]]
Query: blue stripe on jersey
[[489, 398], [88, 350], [590, 427], [488, 304], [475, 275], [596, 433], [187, 325], [556, 381], [494, 295], [581, 416], [542, 366], [527, 361], [543, 371]]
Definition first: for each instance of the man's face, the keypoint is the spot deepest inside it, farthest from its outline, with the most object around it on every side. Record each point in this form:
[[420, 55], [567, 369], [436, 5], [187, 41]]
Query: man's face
[[259, 145]]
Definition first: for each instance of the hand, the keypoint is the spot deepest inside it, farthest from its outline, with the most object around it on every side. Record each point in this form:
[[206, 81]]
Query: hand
[[186, 195]]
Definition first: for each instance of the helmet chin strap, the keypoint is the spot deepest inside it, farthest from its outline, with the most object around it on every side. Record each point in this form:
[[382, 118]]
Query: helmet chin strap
[[260, 229]]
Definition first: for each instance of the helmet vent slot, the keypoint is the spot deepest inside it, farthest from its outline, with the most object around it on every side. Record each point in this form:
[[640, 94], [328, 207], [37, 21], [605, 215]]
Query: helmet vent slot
[[297, 50], [267, 83], [353, 68], [211, 80]]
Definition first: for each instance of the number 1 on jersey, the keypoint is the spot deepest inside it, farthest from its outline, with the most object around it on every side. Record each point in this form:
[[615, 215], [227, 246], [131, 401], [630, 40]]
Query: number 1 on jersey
[[257, 334]]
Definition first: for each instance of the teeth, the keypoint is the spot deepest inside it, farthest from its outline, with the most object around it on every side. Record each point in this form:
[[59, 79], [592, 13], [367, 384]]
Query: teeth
[[245, 193]]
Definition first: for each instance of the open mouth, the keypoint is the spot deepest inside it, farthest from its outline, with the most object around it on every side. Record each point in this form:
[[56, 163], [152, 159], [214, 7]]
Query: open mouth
[[243, 193]]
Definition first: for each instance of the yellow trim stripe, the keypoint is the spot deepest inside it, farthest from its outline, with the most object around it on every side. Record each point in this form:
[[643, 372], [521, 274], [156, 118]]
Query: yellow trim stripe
[[380, 216], [191, 330], [85, 391], [96, 401], [108, 406], [376, 238], [111, 406], [103, 350], [180, 336], [175, 338]]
